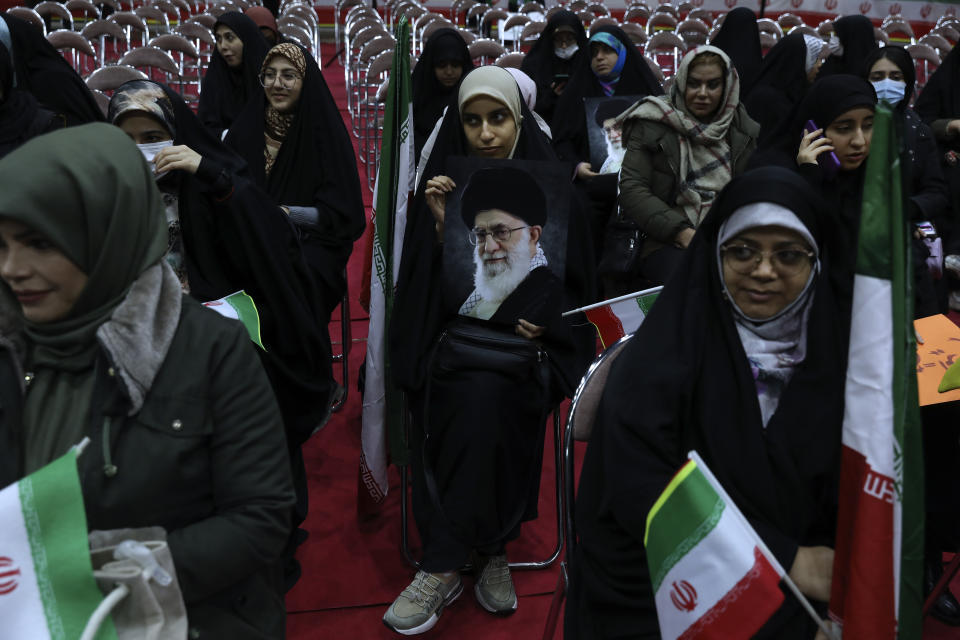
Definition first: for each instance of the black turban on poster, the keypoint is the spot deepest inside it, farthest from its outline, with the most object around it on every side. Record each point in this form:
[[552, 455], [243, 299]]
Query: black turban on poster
[[507, 189]]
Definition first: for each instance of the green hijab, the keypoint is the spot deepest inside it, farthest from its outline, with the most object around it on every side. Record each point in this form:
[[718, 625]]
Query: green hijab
[[90, 192]]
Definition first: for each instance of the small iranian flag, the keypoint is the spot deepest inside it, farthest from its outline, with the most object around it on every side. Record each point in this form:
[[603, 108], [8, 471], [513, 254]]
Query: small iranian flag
[[240, 306], [47, 588], [712, 575], [617, 317]]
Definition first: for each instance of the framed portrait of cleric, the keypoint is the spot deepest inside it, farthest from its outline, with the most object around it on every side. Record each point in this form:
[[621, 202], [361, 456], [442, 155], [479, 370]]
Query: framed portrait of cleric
[[606, 152], [505, 238]]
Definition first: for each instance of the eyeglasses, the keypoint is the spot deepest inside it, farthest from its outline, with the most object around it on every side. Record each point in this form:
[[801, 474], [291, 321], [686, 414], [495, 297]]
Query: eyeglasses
[[744, 259], [500, 233], [286, 79]]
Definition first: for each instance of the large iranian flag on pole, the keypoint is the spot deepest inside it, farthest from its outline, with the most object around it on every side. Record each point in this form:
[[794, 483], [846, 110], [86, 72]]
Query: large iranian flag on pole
[[382, 427], [876, 588], [47, 590], [712, 575]]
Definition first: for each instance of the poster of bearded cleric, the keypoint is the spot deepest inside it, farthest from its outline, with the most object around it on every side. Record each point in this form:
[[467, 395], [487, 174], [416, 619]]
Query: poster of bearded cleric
[[505, 238], [606, 152]]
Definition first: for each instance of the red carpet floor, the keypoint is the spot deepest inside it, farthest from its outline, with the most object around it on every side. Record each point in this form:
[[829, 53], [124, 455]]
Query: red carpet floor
[[352, 570]]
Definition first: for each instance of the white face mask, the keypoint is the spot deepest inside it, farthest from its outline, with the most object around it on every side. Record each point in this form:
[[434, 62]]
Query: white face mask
[[151, 150], [565, 53], [890, 90]]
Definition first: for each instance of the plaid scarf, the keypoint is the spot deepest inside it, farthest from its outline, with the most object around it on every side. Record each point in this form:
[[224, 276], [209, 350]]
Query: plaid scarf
[[705, 163]]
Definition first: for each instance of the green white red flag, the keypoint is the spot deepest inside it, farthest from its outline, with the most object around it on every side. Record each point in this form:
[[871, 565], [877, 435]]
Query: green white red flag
[[382, 429], [876, 589], [618, 317], [47, 589], [240, 306], [712, 575]]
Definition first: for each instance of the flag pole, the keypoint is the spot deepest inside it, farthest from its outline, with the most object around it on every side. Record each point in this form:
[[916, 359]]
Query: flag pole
[[705, 470], [628, 296]]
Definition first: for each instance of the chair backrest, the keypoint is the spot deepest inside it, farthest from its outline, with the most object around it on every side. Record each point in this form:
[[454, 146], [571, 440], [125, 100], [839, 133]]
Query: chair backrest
[[204, 19], [531, 33], [151, 58], [660, 22], [806, 30], [766, 25], [174, 42], [31, 16], [485, 50], [899, 31], [102, 99], [665, 44], [110, 77], [532, 7], [301, 35], [667, 8], [940, 44], [655, 68], [598, 9], [510, 60], [196, 31], [636, 33], [490, 18], [65, 39], [788, 21], [767, 41], [693, 31], [825, 28], [106, 28], [86, 9], [950, 32], [602, 21], [435, 25], [637, 14], [468, 37], [881, 37], [701, 14], [926, 61], [586, 400], [50, 9]]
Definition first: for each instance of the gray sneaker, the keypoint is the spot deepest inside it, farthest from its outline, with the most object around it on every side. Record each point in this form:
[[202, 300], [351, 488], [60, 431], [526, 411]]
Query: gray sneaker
[[419, 606], [494, 586]]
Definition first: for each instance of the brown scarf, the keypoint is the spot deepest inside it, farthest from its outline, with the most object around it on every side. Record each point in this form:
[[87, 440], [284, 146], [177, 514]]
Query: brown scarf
[[276, 124]]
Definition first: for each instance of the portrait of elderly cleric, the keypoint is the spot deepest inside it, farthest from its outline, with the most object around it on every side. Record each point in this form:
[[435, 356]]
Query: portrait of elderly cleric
[[509, 248], [603, 131]]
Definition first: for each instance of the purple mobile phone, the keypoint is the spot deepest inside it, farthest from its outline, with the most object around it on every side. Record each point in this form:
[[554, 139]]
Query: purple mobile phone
[[829, 162]]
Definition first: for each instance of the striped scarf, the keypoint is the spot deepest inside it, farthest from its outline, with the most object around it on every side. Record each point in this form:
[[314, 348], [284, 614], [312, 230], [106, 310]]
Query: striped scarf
[[705, 162]]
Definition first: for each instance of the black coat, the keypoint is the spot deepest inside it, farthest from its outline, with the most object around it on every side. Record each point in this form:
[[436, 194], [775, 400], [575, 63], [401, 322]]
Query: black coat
[[543, 65], [205, 458]]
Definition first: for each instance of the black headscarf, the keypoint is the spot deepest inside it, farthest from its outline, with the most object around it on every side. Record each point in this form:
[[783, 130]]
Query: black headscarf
[[569, 121], [429, 96], [940, 98], [542, 64], [856, 36], [21, 118], [739, 38], [780, 86], [684, 382], [315, 167], [225, 91], [419, 309], [43, 72], [245, 242], [904, 61]]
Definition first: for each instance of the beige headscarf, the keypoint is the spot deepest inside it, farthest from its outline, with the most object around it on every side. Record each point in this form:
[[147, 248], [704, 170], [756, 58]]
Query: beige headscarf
[[497, 83]]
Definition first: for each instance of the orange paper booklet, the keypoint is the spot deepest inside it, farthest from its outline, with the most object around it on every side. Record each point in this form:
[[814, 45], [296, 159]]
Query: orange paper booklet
[[939, 349]]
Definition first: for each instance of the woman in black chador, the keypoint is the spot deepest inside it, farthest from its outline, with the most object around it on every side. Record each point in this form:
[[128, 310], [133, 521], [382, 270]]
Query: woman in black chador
[[40, 70], [443, 63], [787, 72], [739, 38], [231, 78], [21, 118], [553, 58], [738, 360], [853, 42], [298, 150]]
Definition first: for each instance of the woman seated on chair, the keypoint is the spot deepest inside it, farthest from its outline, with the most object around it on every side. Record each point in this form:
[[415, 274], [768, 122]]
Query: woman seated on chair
[[21, 118], [738, 360], [231, 78], [680, 153], [184, 430], [297, 149], [490, 121], [553, 57], [226, 235]]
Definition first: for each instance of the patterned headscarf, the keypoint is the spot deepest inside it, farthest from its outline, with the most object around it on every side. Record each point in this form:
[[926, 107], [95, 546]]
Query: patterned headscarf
[[279, 123], [609, 80], [143, 96]]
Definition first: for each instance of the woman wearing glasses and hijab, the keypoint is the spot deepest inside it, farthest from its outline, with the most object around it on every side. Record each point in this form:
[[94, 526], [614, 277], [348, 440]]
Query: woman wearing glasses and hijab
[[738, 361], [298, 150]]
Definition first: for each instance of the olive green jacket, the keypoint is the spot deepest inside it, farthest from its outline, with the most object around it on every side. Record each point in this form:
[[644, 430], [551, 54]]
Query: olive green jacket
[[648, 176]]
